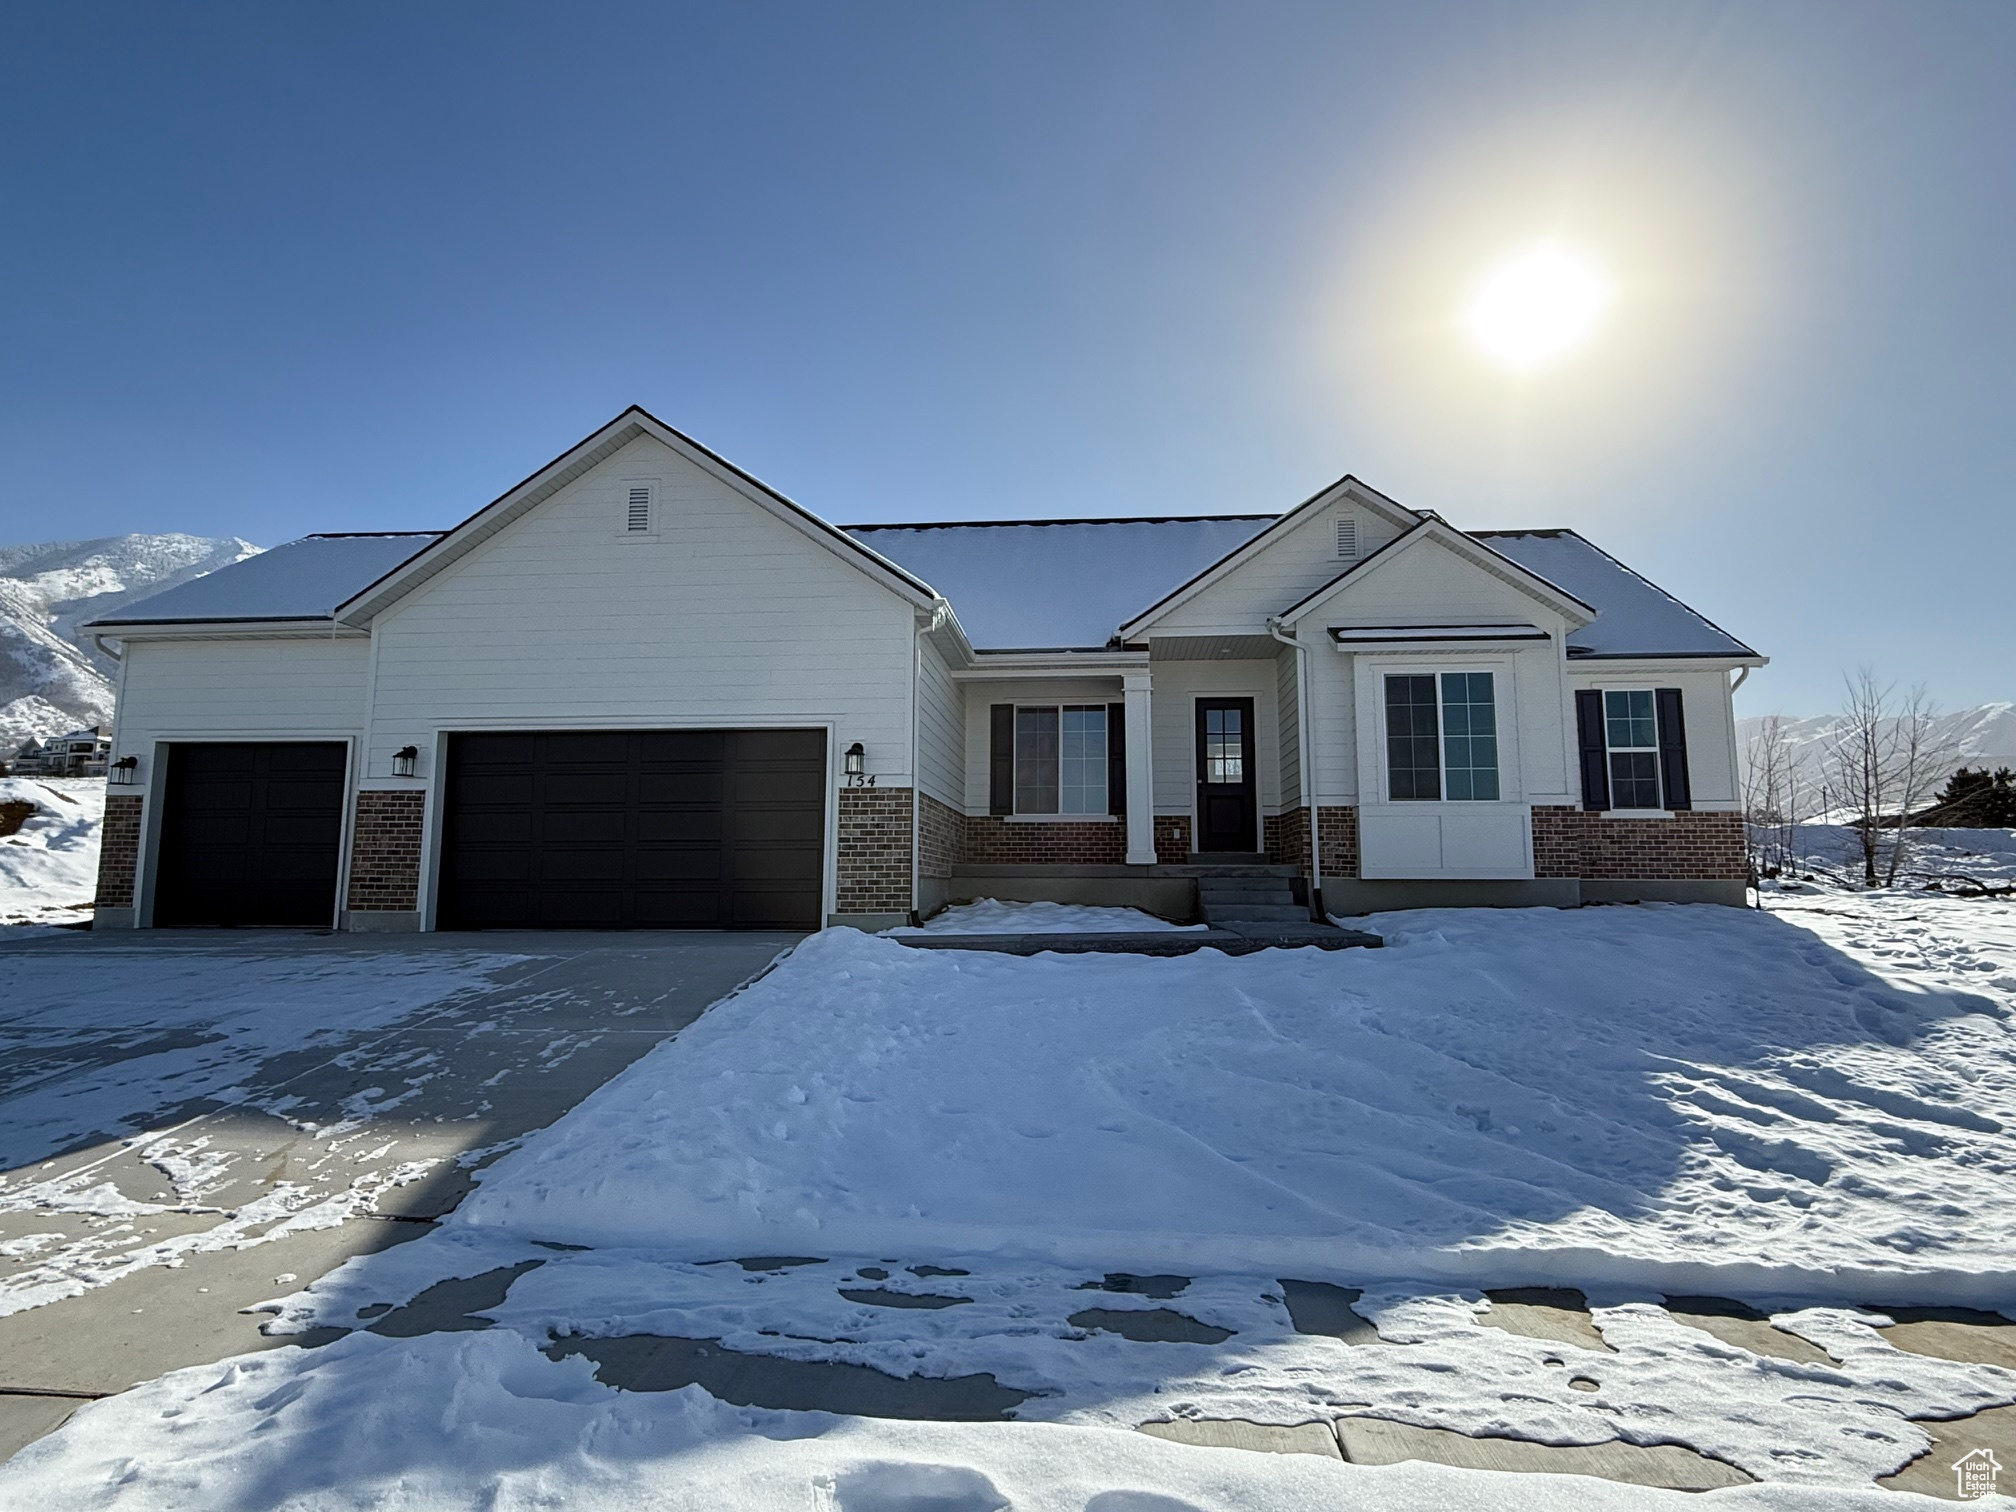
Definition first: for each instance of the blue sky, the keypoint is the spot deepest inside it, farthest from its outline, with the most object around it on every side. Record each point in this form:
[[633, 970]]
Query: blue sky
[[273, 269]]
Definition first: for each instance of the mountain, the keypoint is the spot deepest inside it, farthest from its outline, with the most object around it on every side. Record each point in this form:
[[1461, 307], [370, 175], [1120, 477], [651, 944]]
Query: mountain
[[50, 681], [1981, 736]]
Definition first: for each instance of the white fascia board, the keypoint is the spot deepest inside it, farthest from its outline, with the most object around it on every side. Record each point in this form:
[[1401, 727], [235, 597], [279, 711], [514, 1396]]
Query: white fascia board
[[1345, 487], [247, 629], [1559, 600], [578, 460], [1682, 662], [1022, 665]]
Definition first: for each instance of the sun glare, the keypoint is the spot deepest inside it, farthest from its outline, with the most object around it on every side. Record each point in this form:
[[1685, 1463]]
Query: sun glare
[[1537, 306]]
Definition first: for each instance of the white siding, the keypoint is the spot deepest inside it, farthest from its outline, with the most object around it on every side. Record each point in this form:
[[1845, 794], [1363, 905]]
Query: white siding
[[941, 729], [1711, 773], [1287, 570], [724, 616], [1177, 687], [1287, 700], [981, 696], [186, 690]]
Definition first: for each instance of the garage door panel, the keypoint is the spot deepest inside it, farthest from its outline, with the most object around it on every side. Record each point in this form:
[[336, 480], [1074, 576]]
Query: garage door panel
[[708, 866], [678, 789], [635, 829], [250, 834], [481, 789]]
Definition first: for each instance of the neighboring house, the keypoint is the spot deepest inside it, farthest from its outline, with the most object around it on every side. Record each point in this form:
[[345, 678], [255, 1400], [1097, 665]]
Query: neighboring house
[[81, 753], [642, 689]]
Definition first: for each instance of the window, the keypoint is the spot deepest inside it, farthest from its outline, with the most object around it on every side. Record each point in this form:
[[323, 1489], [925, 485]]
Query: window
[[1631, 738], [1442, 737], [1225, 745], [1060, 759]]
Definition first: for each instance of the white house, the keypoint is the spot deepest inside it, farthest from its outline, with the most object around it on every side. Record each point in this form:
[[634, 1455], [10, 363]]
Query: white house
[[643, 689]]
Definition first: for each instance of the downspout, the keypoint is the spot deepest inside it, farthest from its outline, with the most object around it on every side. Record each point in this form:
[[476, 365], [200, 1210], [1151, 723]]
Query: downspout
[[1306, 765], [106, 651]]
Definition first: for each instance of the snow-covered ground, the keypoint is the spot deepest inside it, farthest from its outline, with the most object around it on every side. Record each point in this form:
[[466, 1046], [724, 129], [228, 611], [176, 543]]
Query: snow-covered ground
[[992, 916], [1718, 1097], [1944, 860], [49, 867], [1807, 1108]]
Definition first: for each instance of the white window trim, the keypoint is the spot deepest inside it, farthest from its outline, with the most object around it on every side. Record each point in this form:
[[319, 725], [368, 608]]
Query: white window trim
[[1658, 768], [1015, 735], [622, 531], [1508, 789]]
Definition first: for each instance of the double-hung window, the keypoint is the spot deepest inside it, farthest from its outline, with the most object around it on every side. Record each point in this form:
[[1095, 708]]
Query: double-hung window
[[1631, 744], [1442, 737], [1060, 759]]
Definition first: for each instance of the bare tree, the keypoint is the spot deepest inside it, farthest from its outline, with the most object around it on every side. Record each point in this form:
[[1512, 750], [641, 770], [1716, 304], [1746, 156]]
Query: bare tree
[[1885, 761], [1771, 781], [1859, 761], [1921, 759]]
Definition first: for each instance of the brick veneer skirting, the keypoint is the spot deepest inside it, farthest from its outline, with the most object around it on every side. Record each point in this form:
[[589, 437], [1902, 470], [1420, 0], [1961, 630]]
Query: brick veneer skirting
[[1690, 846], [1172, 839], [119, 850], [995, 838], [1288, 840], [874, 851], [941, 837], [385, 851]]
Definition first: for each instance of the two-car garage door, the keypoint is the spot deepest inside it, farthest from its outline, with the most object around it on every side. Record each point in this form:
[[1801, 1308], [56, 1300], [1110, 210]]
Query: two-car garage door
[[639, 829], [651, 829]]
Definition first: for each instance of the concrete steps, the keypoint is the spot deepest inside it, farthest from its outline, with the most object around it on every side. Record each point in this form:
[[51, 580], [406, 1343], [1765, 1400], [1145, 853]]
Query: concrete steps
[[1247, 891]]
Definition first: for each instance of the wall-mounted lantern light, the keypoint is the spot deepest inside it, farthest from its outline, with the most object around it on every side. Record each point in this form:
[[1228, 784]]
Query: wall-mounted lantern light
[[123, 770], [856, 760], [403, 759]]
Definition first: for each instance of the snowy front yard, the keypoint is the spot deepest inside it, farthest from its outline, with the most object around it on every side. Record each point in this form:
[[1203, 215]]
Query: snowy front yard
[[1806, 1109]]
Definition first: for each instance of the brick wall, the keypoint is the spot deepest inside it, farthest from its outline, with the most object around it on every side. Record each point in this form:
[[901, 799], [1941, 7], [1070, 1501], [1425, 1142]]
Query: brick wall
[[992, 838], [1172, 839], [119, 850], [385, 851], [1288, 840], [874, 851], [941, 840], [1690, 846]]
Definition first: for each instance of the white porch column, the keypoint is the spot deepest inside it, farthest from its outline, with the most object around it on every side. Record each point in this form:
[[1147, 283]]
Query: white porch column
[[1140, 770]]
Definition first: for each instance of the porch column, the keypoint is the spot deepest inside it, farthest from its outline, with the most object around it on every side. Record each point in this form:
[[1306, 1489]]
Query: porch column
[[1140, 770]]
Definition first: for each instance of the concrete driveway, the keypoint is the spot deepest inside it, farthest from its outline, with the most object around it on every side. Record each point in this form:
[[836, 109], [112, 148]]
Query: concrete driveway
[[195, 1123]]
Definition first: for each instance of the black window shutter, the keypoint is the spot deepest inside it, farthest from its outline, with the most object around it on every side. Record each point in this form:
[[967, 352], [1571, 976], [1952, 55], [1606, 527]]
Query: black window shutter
[[1673, 749], [1116, 758], [1595, 754], [1001, 761]]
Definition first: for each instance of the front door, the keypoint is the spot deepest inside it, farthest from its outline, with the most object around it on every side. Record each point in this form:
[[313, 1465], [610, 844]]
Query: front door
[[1227, 815]]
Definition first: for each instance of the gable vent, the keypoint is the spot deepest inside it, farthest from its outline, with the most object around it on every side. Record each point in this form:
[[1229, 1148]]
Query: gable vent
[[640, 508], [1347, 538]]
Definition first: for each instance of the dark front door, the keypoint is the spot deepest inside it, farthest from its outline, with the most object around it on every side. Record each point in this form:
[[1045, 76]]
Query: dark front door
[[634, 829], [1227, 815], [250, 835]]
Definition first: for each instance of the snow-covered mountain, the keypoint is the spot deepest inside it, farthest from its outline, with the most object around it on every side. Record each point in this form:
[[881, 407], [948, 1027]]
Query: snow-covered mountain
[[50, 681], [1981, 736]]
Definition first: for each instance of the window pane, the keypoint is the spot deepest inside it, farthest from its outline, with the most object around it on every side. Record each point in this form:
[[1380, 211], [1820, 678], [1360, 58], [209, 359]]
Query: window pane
[[1628, 717], [1084, 760], [1412, 771], [1035, 761], [1224, 745], [1470, 736], [1634, 780]]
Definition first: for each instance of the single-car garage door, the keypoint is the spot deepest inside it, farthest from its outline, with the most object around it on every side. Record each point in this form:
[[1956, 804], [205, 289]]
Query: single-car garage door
[[634, 829], [250, 834]]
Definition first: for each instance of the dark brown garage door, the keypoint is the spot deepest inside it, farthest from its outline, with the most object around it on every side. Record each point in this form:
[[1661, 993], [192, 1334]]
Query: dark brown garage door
[[634, 829], [250, 834]]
